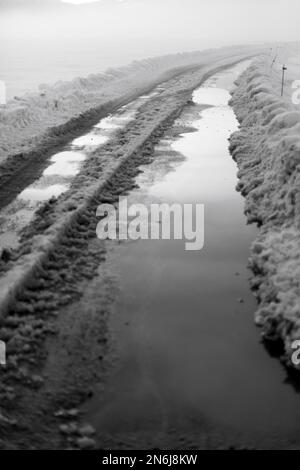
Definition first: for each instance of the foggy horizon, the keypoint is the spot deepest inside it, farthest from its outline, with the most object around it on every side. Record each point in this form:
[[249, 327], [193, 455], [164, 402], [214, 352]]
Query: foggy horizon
[[81, 39], [228, 22], [149, 228]]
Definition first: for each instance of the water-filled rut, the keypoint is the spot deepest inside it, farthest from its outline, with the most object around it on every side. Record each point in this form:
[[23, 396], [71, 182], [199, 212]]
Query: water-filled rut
[[188, 368], [62, 167]]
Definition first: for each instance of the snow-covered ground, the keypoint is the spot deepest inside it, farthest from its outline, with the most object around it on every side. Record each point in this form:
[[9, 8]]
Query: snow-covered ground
[[24, 121], [267, 150]]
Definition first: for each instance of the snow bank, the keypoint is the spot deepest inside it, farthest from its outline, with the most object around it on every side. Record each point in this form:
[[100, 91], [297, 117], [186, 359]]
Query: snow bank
[[24, 120], [267, 151]]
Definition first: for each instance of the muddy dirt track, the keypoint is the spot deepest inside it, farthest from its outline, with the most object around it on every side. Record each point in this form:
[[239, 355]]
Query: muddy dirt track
[[56, 336]]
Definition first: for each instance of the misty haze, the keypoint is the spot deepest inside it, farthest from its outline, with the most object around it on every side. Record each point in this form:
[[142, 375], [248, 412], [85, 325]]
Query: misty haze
[[149, 227]]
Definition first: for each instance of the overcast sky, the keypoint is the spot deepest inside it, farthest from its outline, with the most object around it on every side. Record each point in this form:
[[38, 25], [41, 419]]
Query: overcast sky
[[188, 23], [49, 40]]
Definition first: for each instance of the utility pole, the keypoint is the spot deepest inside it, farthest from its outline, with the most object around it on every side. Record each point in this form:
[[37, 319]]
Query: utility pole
[[273, 61], [284, 68]]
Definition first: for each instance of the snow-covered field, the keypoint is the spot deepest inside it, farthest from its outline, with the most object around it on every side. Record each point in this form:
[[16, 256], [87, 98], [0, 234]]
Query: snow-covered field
[[267, 150], [24, 121]]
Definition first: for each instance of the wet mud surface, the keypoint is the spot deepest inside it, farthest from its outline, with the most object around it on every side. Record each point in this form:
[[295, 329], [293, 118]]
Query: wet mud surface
[[56, 325]]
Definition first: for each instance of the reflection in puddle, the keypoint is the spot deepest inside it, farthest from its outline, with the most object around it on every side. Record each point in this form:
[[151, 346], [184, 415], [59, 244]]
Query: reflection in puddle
[[42, 194], [206, 174], [90, 139], [116, 122], [65, 164], [110, 122], [211, 96], [67, 156]]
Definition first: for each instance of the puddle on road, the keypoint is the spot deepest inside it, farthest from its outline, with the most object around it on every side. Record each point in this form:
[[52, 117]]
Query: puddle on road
[[212, 96], [64, 164], [188, 366], [89, 140]]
